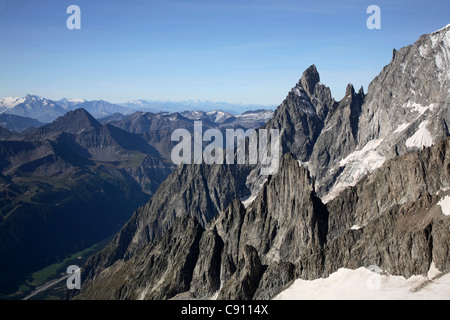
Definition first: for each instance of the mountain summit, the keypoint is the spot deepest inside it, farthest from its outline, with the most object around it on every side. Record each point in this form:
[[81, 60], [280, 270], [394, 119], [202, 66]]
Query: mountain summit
[[309, 79], [32, 106], [75, 122]]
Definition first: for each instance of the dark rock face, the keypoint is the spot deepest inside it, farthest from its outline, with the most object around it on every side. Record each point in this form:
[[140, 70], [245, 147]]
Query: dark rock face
[[239, 243], [278, 275], [195, 190], [17, 123], [243, 283], [206, 274], [297, 117], [400, 181], [338, 139], [5, 133], [165, 267]]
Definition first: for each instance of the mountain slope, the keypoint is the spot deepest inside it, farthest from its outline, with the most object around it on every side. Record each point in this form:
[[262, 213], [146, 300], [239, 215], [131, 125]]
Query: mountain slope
[[5, 133], [17, 123], [194, 190], [157, 128], [66, 186], [233, 237], [300, 117]]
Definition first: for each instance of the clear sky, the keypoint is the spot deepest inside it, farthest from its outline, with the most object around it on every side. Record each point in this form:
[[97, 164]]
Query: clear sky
[[249, 51]]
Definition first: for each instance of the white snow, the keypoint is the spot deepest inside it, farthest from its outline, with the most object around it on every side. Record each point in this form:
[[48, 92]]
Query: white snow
[[442, 57], [420, 109], [355, 227], [297, 92], [338, 188], [422, 137], [433, 272], [76, 101], [303, 164], [219, 116], [445, 205], [306, 107], [367, 156], [363, 284], [439, 62], [402, 128], [263, 115], [192, 115], [249, 201], [423, 50], [9, 103], [357, 165]]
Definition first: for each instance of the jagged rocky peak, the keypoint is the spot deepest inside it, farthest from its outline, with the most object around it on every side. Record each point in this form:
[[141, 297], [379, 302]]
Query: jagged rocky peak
[[413, 87], [361, 92], [318, 94], [75, 122], [300, 117], [350, 90], [310, 85], [310, 79], [352, 100]]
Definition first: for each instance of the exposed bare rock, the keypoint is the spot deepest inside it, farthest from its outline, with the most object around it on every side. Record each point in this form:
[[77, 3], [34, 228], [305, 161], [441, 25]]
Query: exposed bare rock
[[242, 285], [162, 270]]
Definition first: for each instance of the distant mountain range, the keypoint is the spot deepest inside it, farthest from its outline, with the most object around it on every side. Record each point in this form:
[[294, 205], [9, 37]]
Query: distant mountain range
[[200, 105], [31, 106], [46, 110]]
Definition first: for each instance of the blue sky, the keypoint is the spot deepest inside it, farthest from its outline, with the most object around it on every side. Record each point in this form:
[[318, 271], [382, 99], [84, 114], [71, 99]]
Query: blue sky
[[249, 51]]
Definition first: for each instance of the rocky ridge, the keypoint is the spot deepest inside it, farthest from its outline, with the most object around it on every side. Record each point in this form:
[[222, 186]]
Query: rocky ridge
[[288, 233]]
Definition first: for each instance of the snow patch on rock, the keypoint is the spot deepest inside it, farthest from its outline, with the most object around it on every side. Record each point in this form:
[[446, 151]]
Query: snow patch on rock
[[421, 138], [357, 165], [445, 205]]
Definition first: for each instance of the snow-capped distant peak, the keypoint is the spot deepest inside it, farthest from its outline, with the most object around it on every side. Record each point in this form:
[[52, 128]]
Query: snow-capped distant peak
[[219, 116], [10, 102], [76, 100], [34, 97], [140, 102]]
